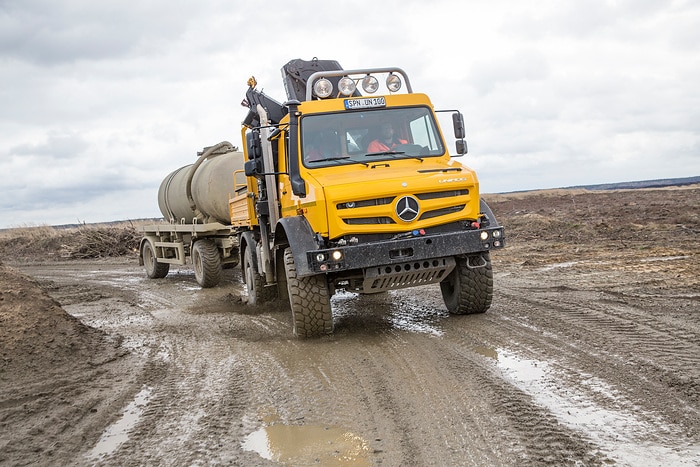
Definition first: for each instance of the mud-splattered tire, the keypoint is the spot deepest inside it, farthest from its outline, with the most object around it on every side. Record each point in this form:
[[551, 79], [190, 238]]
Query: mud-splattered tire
[[257, 292], [310, 301], [207, 263], [281, 276], [468, 289], [154, 269]]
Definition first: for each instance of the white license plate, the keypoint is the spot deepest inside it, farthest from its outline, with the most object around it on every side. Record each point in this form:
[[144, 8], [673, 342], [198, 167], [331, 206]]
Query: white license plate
[[364, 103]]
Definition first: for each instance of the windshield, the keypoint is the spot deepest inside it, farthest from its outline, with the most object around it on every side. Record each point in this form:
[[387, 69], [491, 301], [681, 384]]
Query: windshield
[[364, 137]]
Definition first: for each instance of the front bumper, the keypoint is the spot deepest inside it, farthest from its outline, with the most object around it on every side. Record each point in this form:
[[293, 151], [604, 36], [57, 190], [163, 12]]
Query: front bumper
[[415, 248]]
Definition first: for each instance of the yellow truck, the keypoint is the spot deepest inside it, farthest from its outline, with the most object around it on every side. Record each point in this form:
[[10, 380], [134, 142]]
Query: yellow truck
[[347, 185]]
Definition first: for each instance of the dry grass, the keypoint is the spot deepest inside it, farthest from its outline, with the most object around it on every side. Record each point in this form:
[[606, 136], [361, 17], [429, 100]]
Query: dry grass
[[37, 243]]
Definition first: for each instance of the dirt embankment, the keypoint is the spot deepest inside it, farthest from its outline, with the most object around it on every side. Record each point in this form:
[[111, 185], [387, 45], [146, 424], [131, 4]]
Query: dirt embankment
[[590, 354]]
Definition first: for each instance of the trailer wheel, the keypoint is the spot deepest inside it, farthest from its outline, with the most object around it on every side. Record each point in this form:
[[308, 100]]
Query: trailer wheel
[[309, 299], [207, 263], [468, 289], [154, 269]]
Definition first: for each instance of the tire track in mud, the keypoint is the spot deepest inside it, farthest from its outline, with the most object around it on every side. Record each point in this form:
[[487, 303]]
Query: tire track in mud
[[629, 359], [198, 397], [618, 330]]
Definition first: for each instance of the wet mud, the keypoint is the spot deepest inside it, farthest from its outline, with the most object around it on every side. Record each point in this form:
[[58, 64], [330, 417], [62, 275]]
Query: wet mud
[[590, 355]]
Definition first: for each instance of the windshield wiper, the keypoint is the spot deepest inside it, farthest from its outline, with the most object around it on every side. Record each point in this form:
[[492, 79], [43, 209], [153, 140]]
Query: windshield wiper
[[337, 158], [326, 159], [393, 153]]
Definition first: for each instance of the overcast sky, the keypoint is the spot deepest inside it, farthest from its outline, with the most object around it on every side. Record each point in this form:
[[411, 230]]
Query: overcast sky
[[100, 100]]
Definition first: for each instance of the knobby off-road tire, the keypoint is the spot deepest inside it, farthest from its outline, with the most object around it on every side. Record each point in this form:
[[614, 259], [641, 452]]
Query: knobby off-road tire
[[468, 289], [257, 292], [207, 263], [310, 301], [154, 269]]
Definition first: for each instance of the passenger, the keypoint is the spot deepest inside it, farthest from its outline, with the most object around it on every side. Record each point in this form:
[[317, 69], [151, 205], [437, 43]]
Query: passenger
[[320, 147], [386, 140]]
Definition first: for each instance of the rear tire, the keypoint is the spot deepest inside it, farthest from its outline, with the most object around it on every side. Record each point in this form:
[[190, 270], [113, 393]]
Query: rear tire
[[468, 289], [154, 269], [310, 301], [207, 263], [253, 280]]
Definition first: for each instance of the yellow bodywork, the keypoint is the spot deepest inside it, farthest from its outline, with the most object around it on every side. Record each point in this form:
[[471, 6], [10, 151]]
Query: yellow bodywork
[[446, 191]]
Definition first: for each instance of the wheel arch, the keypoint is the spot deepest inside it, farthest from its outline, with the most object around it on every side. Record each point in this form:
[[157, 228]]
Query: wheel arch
[[486, 210], [296, 232]]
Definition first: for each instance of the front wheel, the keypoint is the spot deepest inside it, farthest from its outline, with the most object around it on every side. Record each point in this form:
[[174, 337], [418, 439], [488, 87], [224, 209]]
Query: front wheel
[[154, 269], [468, 289], [309, 299], [207, 263]]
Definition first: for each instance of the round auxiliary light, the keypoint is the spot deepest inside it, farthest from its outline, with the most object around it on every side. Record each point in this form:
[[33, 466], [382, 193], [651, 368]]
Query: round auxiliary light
[[323, 88], [393, 82], [346, 86], [320, 257], [496, 234], [370, 84]]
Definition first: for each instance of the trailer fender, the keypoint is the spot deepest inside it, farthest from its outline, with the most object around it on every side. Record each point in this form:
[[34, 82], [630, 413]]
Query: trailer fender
[[298, 234]]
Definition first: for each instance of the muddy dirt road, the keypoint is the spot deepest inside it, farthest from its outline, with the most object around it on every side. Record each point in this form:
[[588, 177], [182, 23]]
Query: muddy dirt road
[[590, 355]]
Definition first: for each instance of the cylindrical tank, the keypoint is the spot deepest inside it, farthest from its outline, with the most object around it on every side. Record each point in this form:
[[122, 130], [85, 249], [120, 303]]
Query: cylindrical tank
[[210, 187]]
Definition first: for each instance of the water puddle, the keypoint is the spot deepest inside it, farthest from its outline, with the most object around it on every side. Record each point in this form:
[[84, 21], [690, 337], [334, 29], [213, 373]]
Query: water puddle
[[308, 444], [619, 432], [116, 434]]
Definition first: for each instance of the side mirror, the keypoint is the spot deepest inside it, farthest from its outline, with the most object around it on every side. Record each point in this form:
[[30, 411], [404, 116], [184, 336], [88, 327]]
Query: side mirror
[[254, 144], [461, 146], [251, 168], [458, 124]]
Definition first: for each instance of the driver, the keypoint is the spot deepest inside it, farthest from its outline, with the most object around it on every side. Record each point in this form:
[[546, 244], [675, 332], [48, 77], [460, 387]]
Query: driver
[[386, 140]]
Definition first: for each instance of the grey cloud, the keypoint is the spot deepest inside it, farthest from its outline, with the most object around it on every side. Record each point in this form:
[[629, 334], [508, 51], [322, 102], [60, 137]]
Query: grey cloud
[[53, 32], [522, 65], [56, 146]]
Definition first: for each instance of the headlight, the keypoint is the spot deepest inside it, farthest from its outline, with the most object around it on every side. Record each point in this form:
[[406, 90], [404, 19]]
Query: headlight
[[323, 88], [370, 84], [320, 257], [393, 82], [346, 86], [337, 255], [484, 235]]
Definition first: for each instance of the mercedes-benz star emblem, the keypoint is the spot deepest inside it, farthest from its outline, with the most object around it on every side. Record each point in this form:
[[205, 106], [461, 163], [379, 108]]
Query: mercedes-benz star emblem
[[407, 208]]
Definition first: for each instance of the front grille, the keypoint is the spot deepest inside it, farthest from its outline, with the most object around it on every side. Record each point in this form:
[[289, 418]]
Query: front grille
[[441, 212], [442, 194], [365, 203], [369, 220]]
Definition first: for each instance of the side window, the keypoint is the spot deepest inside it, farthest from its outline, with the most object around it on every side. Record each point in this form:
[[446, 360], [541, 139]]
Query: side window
[[424, 134]]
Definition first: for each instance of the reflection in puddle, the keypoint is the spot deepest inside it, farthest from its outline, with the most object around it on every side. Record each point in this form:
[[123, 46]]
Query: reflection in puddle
[[116, 434], [396, 308], [619, 432], [305, 445]]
